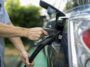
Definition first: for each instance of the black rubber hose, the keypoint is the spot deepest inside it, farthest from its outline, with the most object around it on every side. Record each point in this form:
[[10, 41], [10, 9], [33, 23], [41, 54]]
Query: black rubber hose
[[42, 44]]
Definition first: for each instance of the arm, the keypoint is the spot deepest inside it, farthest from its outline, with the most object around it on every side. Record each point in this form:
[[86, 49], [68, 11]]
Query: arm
[[17, 42], [20, 47], [11, 31]]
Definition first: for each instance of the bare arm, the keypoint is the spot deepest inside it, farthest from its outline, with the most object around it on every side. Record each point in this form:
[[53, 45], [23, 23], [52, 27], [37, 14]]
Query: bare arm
[[17, 42], [11, 31], [20, 47]]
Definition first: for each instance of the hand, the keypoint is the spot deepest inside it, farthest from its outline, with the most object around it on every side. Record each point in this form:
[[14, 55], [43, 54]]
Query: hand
[[35, 33], [25, 59]]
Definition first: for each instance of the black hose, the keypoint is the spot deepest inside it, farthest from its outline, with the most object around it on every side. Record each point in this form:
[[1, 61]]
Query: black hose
[[47, 41]]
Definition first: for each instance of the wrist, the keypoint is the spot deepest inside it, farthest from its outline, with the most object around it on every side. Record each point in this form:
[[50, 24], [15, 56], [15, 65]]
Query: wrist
[[24, 53], [22, 32], [25, 32]]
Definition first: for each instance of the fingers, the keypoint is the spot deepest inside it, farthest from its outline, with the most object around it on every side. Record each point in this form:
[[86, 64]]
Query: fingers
[[35, 37], [25, 58], [41, 31], [36, 33], [27, 61], [44, 32], [28, 64]]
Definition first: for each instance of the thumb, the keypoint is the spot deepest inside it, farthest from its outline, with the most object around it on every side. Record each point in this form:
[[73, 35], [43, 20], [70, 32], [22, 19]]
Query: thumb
[[27, 61], [45, 32], [28, 64]]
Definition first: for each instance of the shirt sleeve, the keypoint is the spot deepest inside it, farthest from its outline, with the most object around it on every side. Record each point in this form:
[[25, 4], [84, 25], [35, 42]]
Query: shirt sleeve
[[6, 18]]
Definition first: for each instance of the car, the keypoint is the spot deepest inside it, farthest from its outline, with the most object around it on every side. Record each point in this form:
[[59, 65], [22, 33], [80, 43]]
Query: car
[[68, 42]]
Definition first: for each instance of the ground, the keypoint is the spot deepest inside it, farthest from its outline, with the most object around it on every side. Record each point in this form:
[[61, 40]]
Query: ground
[[12, 57]]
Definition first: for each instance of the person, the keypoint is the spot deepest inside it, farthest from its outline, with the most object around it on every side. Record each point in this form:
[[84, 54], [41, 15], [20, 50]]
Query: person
[[7, 29]]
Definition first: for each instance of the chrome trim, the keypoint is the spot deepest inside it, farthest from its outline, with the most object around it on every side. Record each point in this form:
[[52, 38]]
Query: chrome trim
[[71, 45]]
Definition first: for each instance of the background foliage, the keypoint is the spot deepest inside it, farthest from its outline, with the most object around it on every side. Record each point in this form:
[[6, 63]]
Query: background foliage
[[24, 16]]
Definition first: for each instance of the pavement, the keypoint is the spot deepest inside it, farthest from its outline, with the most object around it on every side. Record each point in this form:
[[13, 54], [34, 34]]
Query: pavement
[[11, 61], [11, 58]]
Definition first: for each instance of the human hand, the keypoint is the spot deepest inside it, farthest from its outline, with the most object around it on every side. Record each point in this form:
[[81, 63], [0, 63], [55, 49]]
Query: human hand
[[36, 33], [25, 58]]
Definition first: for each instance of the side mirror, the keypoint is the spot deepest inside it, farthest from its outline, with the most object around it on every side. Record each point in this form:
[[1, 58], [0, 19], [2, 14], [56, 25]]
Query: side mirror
[[51, 8]]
